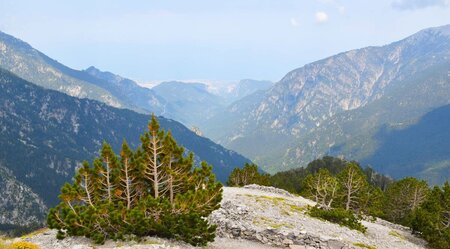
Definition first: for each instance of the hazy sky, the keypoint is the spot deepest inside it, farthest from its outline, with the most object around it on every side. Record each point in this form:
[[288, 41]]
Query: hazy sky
[[211, 39]]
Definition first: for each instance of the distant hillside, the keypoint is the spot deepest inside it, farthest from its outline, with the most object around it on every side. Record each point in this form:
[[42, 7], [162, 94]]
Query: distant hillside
[[45, 135], [422, 148], [185, 102], [310, 112], [30, 64], [189, 103], [365, 134], [244, 88], [129, 91]]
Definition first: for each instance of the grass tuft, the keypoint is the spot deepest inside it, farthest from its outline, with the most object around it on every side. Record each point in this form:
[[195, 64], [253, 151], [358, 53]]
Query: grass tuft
[[362, 245], [396, 234]]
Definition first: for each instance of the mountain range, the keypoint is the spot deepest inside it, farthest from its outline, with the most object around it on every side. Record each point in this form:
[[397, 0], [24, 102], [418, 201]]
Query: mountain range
[[46, 134], [340, 105], [187, 105]]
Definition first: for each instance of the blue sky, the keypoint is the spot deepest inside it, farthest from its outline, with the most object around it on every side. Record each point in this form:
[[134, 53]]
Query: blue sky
[[151, 40]]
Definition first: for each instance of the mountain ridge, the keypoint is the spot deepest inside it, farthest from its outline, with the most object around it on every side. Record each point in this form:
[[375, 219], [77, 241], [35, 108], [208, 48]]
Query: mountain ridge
[[46, 134], [309, 97]]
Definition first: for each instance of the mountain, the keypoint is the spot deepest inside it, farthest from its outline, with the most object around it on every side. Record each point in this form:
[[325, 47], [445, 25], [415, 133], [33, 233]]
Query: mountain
[[244, 88], [30, 64], [422, 148], [194, 104], [189, 103], [46, 134], [129, 91], [403, 81], [19, 205]]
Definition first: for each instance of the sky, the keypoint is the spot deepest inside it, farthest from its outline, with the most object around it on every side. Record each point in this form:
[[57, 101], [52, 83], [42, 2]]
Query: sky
[[155, 40]]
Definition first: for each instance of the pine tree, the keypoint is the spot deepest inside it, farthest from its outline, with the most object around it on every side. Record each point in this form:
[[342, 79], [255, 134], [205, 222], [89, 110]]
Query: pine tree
[[177, 169], [152, 145], [431, 219], [404, 197], [108, 170], [322, 187], [154, 190], [249, 174], [86, 179], [352, 181], [127, 176], [371, 200]]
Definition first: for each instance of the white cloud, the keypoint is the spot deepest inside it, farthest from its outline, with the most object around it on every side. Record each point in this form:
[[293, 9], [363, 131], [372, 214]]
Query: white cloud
[[321, 17], [294, 22]]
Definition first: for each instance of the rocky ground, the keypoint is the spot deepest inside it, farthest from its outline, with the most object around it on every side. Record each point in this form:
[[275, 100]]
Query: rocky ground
[[263, 217], [275, 217]]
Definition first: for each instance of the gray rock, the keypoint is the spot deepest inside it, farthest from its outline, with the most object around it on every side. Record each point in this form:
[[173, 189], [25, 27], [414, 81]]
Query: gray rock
[[335, 244], [296, 247]]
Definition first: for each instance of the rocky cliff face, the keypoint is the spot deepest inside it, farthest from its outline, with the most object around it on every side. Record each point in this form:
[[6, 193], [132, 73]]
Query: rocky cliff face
[[19, 205], [308, 98]]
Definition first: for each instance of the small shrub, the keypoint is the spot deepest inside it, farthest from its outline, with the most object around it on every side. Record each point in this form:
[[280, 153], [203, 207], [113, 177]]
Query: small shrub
[[339, 216], [24, 245]]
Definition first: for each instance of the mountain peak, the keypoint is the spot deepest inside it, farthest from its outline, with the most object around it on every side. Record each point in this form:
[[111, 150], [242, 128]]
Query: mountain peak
[[443, 30], [92, 69], [13, 41], [429, 34]]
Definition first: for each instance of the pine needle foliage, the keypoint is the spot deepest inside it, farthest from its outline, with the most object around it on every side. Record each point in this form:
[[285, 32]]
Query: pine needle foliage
[[154, 190], [339, 216], [249, 174]]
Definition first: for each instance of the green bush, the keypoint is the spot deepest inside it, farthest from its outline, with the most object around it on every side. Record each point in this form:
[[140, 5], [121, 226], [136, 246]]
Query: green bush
[[154, 190], [339, 216]]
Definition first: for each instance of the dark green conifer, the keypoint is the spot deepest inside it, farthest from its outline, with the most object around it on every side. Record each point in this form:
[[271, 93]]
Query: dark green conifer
[[154, 190], [249, 174]]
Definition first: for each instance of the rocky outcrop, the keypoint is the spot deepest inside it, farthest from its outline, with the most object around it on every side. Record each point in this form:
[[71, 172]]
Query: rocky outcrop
[[230, 225], [264, 218], [19, 205], [276, 218], [269, 189]]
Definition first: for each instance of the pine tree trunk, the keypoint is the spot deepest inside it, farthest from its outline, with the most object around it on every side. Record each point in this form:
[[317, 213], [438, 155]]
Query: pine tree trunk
[[86, 187], [108, 180], [155, 167], [127, 185]]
